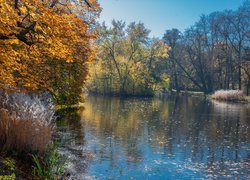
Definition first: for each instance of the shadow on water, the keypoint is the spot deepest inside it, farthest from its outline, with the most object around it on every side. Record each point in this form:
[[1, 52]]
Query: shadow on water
[[70, 131], [69, 121], [180, 137]]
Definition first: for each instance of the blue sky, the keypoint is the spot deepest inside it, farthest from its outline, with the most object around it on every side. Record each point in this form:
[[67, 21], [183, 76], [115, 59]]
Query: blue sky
[[160, 15]]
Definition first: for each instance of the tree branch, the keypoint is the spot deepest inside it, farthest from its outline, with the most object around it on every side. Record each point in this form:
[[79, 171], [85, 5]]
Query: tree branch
[[86, 1], [22, 35]]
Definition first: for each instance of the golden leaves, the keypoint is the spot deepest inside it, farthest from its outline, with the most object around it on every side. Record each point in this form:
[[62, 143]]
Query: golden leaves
[[37, 34]]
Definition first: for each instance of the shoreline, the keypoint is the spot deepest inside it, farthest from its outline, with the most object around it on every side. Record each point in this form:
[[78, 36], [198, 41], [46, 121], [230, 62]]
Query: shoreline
[[244, 99]]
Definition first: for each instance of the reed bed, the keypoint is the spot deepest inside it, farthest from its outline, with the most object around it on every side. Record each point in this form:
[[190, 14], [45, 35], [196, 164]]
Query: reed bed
[[26, 122], [228, 95]]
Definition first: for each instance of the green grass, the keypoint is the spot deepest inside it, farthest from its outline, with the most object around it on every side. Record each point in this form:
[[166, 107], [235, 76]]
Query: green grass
[[50, 166]]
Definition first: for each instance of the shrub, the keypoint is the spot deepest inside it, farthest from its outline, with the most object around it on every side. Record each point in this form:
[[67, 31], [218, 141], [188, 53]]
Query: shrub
[[26, 121], [228, 95]]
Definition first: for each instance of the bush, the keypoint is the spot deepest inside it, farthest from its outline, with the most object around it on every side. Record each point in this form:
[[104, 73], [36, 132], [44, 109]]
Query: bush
[[26, 121], [228, 95]]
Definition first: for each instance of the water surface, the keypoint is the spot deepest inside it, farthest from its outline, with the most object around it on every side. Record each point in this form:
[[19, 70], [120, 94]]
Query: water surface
[[150, 138]]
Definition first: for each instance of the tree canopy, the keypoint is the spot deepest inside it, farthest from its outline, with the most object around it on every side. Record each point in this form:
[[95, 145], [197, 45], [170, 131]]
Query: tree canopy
[[45, 44], [127, 61], [213, 53]]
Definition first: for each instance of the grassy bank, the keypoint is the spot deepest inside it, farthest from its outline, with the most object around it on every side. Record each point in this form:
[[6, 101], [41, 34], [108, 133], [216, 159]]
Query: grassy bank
[[31, 165], [27, 125]]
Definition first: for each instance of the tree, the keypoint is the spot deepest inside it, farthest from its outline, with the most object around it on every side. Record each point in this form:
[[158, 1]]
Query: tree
[[45, 45], [126, 60], [212, 54], [172, 38]]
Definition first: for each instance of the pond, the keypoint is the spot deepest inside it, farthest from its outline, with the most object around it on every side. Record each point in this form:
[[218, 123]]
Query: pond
[[152, 138]]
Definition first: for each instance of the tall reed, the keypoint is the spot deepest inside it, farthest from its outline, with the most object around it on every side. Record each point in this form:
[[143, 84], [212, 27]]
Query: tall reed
[[26, 121]]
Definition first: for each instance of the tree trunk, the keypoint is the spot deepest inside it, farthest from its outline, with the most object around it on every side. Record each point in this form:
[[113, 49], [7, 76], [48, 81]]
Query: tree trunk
[[248, 85], [239, 77]]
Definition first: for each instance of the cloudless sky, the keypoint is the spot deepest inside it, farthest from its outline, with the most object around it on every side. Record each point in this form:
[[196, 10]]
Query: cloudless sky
[[160, 15]]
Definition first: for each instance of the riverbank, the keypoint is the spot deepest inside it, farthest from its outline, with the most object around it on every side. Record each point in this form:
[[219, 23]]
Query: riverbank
[[245, 100], [15, 165], [32, 165], [189, 93], [27, 130], [236, 96], [235, 99], [221, 95], [121, 95]]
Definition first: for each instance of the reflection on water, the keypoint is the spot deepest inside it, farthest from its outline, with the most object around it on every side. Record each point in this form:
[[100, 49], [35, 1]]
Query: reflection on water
[[153, 138]]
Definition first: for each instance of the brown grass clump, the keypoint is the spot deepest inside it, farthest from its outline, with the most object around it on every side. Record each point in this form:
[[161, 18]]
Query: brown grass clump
[[228, 95], [26, 122]]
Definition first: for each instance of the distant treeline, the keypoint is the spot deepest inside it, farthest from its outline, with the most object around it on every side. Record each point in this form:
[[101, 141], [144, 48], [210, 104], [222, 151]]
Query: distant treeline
[[212, 54]]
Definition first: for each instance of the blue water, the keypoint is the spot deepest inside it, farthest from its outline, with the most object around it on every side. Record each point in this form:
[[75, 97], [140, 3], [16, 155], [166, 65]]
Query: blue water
[[178, 138]]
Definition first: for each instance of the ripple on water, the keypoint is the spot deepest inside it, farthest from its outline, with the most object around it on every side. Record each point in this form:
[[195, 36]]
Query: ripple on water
[[152, 138]]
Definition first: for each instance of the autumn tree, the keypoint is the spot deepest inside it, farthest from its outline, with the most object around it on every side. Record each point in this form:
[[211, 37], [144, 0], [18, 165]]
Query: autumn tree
[[46, 45], [126, 60]]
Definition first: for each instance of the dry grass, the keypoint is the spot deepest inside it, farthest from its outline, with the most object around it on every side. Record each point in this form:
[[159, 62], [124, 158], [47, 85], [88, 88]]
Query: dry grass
[[228, 95], [26, 122]]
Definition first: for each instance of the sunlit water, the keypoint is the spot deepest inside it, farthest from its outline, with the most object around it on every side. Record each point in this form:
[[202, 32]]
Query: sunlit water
[[181, 138]]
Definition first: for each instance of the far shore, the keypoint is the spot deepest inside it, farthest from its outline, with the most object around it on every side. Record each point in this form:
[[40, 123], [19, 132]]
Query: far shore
[[243, 99]]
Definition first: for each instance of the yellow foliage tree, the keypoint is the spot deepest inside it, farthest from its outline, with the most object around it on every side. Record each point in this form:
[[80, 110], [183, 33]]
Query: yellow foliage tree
[[46, 44], [128, 61]]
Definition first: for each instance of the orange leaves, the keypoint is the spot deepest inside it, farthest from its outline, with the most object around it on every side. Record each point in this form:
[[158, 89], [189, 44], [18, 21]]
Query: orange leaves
[[8, 18], [37, 33]]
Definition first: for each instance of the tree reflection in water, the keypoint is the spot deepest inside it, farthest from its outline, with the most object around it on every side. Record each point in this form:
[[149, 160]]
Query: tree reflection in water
[[179, 137]]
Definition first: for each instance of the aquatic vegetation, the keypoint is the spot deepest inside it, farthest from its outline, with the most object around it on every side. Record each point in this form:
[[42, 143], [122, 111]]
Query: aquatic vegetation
[[228, 95], [26, 122], [50, 166]]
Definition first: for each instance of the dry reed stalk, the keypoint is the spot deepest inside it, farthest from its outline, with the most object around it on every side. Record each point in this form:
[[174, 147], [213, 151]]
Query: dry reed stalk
[[228, 95], [26, 122]]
